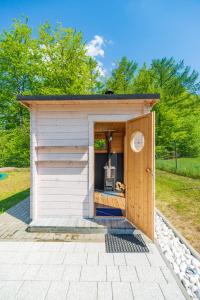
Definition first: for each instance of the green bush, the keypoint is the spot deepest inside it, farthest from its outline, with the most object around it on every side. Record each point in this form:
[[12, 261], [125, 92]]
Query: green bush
[[14, 147]]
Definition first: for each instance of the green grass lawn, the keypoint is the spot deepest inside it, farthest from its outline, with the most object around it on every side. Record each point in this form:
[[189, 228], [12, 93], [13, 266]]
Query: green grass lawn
[[186, 166], [178, 198], [14, 188]]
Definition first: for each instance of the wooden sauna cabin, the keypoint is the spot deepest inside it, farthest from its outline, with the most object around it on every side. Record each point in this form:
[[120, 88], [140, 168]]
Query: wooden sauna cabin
[[92, 156]]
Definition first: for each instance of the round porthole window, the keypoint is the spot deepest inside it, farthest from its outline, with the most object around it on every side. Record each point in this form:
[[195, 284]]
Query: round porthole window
[[137, 141]]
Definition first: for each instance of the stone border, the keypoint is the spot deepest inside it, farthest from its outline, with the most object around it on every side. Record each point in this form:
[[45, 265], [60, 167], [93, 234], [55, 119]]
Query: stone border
[[183, 240], [177, 279], [178, 235]]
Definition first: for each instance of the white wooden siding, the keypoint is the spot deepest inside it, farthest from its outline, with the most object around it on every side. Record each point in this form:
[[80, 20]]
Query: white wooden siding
[[63, 156], [62, 173], [63, 198]]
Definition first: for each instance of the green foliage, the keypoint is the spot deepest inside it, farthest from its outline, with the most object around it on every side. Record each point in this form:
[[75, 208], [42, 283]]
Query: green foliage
[[122, 76], [18, 65], [100, 144], [177, 113], [65, 67], [14, 147], [55, 62]]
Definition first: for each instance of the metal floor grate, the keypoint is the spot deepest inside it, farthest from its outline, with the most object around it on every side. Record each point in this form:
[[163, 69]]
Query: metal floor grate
[[125, 243]]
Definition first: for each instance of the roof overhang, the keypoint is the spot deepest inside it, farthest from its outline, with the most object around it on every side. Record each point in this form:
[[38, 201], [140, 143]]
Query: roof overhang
[[146, 99]]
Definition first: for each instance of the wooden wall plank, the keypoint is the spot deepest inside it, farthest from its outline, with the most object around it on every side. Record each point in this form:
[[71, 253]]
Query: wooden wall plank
[[62, 191], [62, 149], [61, 164], [60, 129], [62, 213], [63, 156], [63, 198], [74, 142], [105, 126], [63, 205], [62, 135], [63, 178], [95, 109], [51, 169], [63, 184], [60, 114]]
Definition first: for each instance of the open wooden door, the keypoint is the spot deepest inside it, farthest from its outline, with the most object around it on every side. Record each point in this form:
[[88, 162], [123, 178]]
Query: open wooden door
[[140, 173]]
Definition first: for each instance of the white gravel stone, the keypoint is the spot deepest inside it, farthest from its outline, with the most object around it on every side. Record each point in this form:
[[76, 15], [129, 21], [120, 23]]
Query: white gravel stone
[[184, 264]]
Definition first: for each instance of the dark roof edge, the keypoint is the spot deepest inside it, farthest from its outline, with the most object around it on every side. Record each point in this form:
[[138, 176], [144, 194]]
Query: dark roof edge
[[88, 97]]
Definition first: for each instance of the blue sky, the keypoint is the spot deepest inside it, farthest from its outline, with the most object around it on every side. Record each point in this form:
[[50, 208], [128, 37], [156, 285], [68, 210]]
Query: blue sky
[[140, 29]]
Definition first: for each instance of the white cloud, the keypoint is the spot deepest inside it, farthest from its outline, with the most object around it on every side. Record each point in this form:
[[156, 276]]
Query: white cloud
[[95, 46], [95, 49], [100, 68]]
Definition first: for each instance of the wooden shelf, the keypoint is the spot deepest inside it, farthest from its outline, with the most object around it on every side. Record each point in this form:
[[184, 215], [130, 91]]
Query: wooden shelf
[[61, 163], [61, 149], [62, 160], [109, 200]]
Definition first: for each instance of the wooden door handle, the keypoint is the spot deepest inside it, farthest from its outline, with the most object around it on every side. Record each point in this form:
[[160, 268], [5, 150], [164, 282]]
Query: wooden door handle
[[148, 170]]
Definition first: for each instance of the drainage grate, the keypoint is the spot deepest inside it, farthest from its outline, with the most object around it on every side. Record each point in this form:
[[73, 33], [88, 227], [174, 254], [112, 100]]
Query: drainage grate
[[125, 243]]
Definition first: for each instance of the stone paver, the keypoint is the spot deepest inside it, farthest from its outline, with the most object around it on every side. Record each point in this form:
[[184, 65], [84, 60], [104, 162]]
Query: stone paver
[[171, 292], [57, 291], [104, 291], [113, 273], [93, 273], [54, 272], [106, 259], [72, 273], [119, 259], [92, 259], [50, 272], [128, 273], [75, 258], [52, 266], [122, 290], [150, 274], [136, 259], [33, 290], [150, 291], [82, 291], [9, 289]]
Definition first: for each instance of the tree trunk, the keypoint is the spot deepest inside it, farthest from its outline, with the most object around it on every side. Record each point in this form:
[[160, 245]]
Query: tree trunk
[[21, 121]]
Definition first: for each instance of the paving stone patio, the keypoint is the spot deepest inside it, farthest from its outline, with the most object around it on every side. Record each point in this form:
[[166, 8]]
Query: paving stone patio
[[34, 269]]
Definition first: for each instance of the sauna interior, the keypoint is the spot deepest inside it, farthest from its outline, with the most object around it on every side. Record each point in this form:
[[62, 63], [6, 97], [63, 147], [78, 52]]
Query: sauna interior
[[109, 194]]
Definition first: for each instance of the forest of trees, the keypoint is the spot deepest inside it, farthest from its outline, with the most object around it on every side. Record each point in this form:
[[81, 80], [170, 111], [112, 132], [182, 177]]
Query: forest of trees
[[56, 62]]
